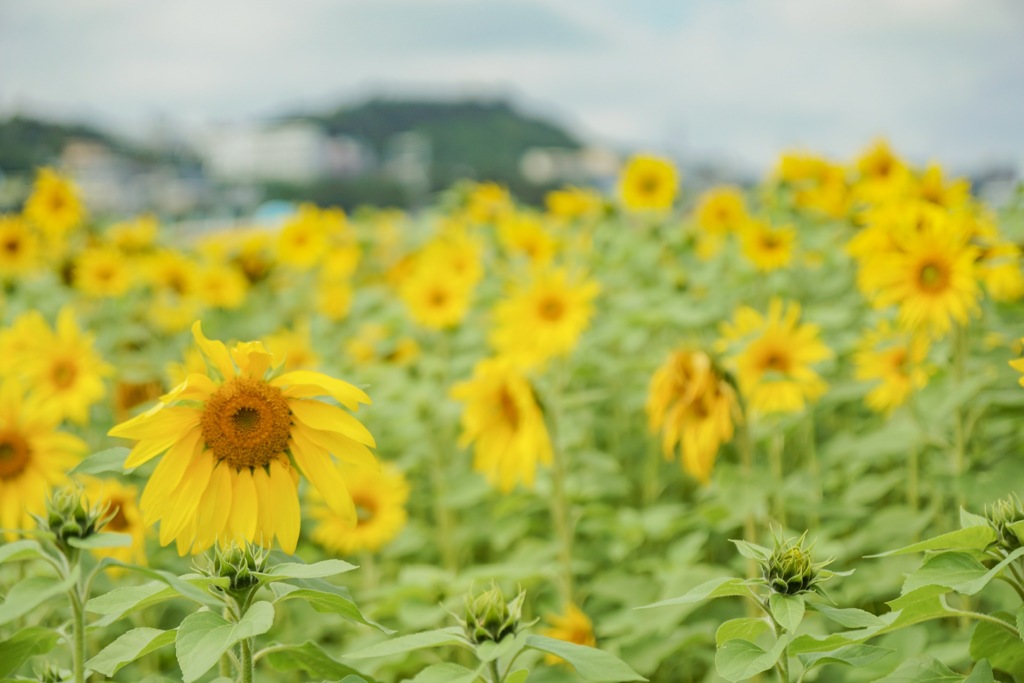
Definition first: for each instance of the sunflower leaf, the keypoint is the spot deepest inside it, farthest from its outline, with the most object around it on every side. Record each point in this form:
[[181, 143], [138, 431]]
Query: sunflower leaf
[[131, 646], [103, 462], [204, 636], [26, 643], [326, 602], [312, 659], [589, 662]]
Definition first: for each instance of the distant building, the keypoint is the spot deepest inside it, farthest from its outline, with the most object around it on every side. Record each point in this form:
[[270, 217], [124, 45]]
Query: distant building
[[553, 165]]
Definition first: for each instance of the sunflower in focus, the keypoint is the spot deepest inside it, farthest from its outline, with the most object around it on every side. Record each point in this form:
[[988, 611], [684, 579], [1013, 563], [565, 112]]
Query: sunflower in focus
[[572, 626], [694, 407], [19, 248], [648, 183], [896, 360], [54, 205], [102, 272], [773, 355], [504, 423], [555, 307], [234, 439], [65, 369], [767, 247], [379, 496], [123, 503], [34, 455]]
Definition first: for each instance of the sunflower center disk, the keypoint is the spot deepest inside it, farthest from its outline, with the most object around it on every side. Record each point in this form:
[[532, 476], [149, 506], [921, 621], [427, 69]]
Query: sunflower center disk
[[63, 374], [246, 423], [118, 522], [551, 308], [933, 277], [14, 454]]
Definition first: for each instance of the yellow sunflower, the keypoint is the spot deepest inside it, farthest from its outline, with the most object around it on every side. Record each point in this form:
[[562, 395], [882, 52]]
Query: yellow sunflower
[[553, 307], [524, 235], [340, 262], [930, 275], [487, 202], [380, 497], [435, 299], [456, 253], [19, 342], [171, 271], [102, 272], [19, 248], [233, 441], [503, 423], [721, 211], [304, 239], [693, 407], [54, 205], [767, 247], [64, 368], [648, 183], [896, 360], [932, 187], [1019, 363], [134, 236], [34, 455], [1000, 270], [573, 203], [772, 357], [294, 346], [334, 299], [123, 502], [572, 626], [880, 164], [222, 285]]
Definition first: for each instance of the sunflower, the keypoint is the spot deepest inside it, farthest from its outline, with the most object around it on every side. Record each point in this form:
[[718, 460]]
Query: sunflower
[[18, 342], [553, 306], [768, 248], [19, 247], [456, 253], [34, 455], [304, 239], [123, 503], [129, 395], [233, 441], [294, 346], [932, 187], [694, 407], [573, 203], [64, 368], [572, 626], [54, 205], [1019, 363], [171, 271], [222, 285], [380, 497], [340, 262], [524, 235], [1000, 270], [503, 423], [721, 211], [895, 359], [487, 202], [134, 236], [102, 272], [334, 299], [880, 164], [772, 357], [435, 299], [648, 183], [930, 275]]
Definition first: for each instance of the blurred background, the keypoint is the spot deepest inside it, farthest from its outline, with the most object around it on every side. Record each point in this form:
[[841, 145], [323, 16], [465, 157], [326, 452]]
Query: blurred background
[[214, 110]]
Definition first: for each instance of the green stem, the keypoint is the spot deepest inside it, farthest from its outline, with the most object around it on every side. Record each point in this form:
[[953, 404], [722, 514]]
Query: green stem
[[559, 501], [958, 455], [913, 491], [245, 660], [815, 467], [979, 616], [78, 634], [438, 479], [654, 457], [495, 675], [778, 444], [746, 447]]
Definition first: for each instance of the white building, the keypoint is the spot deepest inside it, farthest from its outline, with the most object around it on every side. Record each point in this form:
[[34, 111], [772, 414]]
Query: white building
[[290, 152]]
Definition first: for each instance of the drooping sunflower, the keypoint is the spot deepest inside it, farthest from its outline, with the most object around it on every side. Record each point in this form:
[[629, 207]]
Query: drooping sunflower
[[234, 440], [772, 357], [572, 626], [553, 306], [34, 455], [694, 408], [896, 360], [648, 183], [503, 423], [54, 205], [930, 275], [123, 502], [64, 368], [19, 248], [380, 497], [768, 248]]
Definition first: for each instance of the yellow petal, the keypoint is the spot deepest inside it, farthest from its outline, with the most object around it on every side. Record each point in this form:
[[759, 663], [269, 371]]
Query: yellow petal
[[215, 351], [157, 422], [307, 384], [187, 497], [324, 475], [265, 525], [244, 506], [331, 418], [167, 475], [215, 507], [341, 447], [285, 499], [196, 387]]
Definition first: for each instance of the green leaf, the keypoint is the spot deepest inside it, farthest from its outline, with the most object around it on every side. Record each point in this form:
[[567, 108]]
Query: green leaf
[[752, 551], [133, 645], [26, 595], [852, 655], [981, 673], [1003, 650], [188, 586], [122, 601], [26, 549], [446, 673], [715, 588], [970, 519], [350, 679], [1020, 620], [204, 636], [327, 603], [488, 651], [921, 604], [312, 659], [849, 617], [961, 572], [416, 641], [590, 663], [101, 540], [968, 538], [788, 610], [738, 660], [102, 462], [745, 628], [23, 645], [317, 570], [923, 669], [1018, 530], [518, 676]]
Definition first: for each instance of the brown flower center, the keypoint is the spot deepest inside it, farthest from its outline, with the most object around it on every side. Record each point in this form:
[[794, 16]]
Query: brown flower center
[[63, 373], [14, 454], [438, 297], [551, 308], [777, 361], [12, 245], [118, 522], [246, 422], [366, 509], [933, 276], [509, 409]]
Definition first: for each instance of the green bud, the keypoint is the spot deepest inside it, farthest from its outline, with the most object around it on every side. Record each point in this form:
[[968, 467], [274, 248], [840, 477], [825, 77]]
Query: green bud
[[791, 570], [489, 617], [69, 515], [51, 673], [1001, 515], [239, 563]]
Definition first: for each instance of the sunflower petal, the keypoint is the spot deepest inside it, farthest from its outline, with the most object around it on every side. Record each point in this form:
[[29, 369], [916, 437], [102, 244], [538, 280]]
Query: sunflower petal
[[244, 507], [330, 418], [286, 504], [215, 351], [316, 464], [307, 384], [214, 507]]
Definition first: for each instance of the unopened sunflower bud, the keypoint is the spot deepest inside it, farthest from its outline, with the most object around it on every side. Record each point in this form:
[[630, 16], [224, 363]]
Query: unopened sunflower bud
[[790, 569], [1001, 516], [239, 563], [490, 617], [70, 516]]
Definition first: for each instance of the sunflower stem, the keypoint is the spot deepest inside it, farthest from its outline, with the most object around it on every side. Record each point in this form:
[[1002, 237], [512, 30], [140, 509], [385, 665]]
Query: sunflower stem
[[960, 349], [245, 660], [559, 501], [815, 467], [438, 477], [746, 447], [77, 633], [913, 490], [778, 444]]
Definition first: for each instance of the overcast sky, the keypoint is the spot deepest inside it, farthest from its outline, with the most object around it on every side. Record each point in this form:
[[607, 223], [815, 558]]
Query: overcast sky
[[739, 79]]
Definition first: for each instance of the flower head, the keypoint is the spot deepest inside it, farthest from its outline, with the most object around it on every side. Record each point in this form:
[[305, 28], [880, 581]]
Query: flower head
[[379, 496], [54, 204], [648, 183], [572, 626], [896, 361]]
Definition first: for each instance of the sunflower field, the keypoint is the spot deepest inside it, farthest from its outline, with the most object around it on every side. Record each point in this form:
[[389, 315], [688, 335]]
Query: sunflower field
[[652, 434]]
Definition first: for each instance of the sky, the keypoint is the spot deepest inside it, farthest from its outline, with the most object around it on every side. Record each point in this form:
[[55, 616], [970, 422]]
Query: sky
[[732, 80]]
